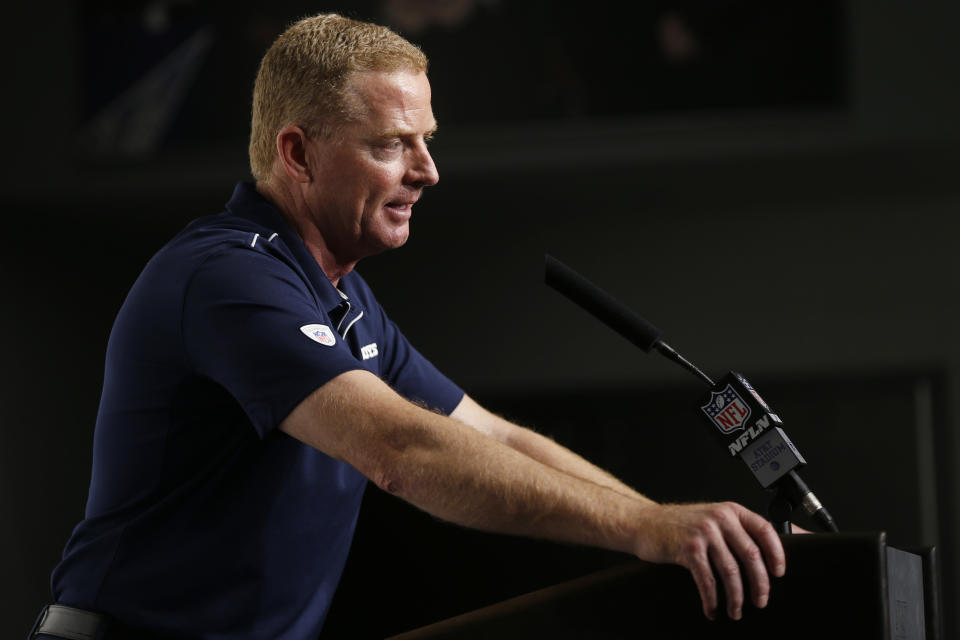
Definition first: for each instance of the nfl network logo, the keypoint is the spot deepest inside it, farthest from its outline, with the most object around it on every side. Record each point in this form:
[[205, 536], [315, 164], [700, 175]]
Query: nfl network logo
[[727, 410]]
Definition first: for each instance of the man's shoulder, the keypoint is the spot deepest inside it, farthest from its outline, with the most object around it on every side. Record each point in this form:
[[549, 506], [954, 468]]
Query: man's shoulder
[[247, 221], [220, 250], [219, 234], [220, 228]]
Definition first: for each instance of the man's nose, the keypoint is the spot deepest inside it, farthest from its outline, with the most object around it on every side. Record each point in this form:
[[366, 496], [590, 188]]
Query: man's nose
[[423, 171]]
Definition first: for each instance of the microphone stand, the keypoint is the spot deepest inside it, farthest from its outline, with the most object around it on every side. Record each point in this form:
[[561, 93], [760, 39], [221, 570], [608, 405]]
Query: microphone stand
[[790, 490]]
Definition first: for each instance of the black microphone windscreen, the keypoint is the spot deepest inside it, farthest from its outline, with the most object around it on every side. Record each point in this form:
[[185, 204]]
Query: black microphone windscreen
[[601, 304]]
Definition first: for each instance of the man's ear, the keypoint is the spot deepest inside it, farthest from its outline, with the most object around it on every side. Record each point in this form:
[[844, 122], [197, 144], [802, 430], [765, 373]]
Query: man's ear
[[292, 153]]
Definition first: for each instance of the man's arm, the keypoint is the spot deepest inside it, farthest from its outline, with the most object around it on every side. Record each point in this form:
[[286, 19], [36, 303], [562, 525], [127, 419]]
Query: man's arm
[[457, 473], [536, 446]]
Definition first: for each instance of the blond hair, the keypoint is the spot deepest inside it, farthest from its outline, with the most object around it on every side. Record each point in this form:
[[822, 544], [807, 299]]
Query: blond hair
[[303, 77]]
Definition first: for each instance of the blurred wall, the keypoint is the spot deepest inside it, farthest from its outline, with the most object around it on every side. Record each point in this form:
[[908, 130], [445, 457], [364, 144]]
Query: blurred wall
[[787, 244]]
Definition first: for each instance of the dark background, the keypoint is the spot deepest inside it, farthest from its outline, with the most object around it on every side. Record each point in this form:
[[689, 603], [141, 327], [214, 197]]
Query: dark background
[[774, 187]]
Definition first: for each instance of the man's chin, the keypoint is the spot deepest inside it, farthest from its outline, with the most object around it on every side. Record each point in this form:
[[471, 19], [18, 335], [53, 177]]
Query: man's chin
[[387, 243]]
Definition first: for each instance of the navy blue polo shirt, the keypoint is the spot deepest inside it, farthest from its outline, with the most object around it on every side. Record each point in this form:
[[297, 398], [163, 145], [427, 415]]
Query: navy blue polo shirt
[[203, 519]]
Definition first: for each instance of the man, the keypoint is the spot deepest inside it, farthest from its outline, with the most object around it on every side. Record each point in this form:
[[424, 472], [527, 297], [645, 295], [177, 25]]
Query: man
[[253, 384]]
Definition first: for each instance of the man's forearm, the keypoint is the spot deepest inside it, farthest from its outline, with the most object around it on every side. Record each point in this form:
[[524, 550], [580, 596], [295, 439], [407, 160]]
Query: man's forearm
[[478, 482], [551, 453], [539, 447], [458, 474]]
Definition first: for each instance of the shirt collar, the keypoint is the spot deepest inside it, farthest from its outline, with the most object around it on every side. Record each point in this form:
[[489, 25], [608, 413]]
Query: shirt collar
[[246, 202]]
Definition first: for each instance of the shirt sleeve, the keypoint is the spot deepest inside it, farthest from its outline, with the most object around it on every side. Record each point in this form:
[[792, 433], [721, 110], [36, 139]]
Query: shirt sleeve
[[412, 375], [251, 324]]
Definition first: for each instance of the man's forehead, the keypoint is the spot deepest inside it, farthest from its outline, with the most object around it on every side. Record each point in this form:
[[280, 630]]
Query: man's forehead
[[391, 86], [391, 103]]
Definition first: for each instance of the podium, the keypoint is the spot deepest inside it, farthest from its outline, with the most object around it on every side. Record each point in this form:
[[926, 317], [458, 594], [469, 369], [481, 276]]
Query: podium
[[844, 585]]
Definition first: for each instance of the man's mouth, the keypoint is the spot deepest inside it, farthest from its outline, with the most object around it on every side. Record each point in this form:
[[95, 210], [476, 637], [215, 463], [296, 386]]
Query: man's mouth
[[401, 207]]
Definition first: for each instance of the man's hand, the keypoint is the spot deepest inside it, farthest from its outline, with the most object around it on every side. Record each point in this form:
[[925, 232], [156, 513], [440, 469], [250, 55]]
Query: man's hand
[[720, 539]]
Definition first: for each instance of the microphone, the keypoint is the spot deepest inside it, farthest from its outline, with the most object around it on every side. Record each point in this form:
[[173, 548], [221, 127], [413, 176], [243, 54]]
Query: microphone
[[741, 419], [612, 312], [601, 304]]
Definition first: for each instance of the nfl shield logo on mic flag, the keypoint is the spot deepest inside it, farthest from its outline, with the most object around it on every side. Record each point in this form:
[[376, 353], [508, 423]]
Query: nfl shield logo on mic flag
[[727, 410]]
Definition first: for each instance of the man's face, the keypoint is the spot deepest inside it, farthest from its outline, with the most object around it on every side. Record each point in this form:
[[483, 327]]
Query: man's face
[[368, 176]]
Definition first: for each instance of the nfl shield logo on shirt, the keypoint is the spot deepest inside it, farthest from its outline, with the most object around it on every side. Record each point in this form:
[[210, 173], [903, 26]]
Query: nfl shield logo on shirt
[[319, 333], [727, 410]]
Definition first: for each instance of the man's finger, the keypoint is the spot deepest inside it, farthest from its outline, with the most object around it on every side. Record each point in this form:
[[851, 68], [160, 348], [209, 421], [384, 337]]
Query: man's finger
[[702, 573], [752, 562], [767, 539], [758, 548], [729, 571]]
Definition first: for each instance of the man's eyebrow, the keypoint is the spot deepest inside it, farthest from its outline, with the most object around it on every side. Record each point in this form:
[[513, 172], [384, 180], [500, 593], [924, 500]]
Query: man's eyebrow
[[398, 132]]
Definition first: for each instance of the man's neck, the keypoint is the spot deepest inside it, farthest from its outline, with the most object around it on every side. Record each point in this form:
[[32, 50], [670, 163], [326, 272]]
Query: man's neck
[[291, 207]]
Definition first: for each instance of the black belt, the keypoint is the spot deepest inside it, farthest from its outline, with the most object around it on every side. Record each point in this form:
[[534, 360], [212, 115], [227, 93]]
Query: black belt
[[76, 624], [66, 622]]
